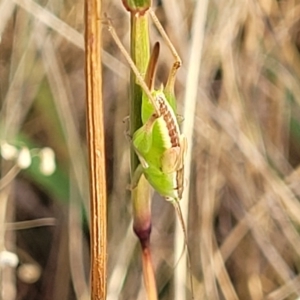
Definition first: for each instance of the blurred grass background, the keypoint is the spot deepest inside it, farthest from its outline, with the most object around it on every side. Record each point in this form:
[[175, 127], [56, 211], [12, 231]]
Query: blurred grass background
[[244, 211]]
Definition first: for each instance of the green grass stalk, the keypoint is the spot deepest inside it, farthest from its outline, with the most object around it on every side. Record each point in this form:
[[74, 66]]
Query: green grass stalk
[[141, 196]]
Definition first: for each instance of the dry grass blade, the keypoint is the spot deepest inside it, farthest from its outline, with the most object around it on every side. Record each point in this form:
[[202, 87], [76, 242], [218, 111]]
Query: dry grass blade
[[96, 149], [50, 20], [189, 113]]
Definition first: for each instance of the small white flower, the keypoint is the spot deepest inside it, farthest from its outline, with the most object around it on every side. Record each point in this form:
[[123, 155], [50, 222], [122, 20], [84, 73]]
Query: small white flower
[[8, 258], [47, 166], [29, 273], [24, 158], [8, 151]]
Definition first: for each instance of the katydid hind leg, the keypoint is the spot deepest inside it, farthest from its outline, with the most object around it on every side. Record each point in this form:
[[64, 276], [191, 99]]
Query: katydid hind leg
[[170, 160], [173, 159], [177, 62], [180, 216], [169, 89]]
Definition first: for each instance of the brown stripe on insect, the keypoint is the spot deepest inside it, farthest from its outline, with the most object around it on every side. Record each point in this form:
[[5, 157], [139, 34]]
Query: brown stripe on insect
[[170, 122]]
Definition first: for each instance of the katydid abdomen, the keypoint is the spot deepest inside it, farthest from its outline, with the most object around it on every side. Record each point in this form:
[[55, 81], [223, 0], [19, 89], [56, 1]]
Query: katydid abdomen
[[167, 185], [161, 148]]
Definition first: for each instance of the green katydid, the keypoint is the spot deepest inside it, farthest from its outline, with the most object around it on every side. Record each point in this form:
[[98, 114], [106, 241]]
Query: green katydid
[[158, 143]]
